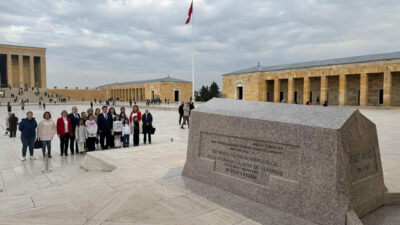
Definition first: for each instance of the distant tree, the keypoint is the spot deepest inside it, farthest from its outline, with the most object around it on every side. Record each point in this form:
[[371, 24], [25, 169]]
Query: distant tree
[[214, 90], [206, 93]]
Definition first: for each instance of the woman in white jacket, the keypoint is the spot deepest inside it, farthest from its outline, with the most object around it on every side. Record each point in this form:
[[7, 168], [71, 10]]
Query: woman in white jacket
[[80, 135], [45, 132], [91, 130]]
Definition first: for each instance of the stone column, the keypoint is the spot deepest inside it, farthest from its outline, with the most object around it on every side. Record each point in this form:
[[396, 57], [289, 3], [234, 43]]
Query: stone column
[[31, 71], [9, 71], [43, 81], [342, 89], [306, 90], [21, 71], [277, 90], [387, 87], [363, 89], [291, 90], [324, 89]]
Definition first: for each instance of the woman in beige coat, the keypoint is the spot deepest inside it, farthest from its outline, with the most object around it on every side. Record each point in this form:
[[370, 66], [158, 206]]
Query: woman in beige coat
[[45, 132]]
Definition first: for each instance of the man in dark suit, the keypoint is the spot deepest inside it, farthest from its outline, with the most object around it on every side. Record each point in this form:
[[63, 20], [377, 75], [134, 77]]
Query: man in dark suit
[[104, 123], [74, 117]]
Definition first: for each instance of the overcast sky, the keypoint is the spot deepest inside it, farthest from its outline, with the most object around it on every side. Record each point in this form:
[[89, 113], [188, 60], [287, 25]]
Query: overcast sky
[[91, 43]]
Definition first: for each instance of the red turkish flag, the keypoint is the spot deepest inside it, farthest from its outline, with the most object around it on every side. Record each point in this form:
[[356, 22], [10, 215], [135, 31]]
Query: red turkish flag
[[190, 13]]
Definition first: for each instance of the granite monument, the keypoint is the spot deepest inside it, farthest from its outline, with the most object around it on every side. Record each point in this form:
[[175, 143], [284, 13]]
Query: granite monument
[[315, 162]]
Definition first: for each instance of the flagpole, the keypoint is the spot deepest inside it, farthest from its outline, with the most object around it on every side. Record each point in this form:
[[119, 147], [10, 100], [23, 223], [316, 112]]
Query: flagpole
[[193, 87]]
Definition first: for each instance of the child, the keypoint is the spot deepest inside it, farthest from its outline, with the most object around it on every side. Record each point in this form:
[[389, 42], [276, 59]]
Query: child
[[80, 135], [91, 131], [117, 130], [136, 131], [126, 132]]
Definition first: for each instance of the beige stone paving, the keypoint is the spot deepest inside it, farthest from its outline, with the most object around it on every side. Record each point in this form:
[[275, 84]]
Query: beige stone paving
[[137, 193]]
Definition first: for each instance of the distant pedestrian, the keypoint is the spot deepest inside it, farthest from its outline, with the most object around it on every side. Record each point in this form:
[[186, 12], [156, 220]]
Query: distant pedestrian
[[28, 135], [8, 107], [308, 103], [7, 124], [186, 114], [44, 106], [325, 104], [12, 123], [91, 105], [180, 110]]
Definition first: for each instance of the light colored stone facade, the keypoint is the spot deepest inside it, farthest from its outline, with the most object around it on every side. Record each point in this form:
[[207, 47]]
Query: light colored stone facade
[[23, 66], [80, 94], [370, 83], [151, 90]]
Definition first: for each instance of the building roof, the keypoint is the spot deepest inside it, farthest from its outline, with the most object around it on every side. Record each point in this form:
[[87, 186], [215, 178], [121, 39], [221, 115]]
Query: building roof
[[20, 46], [165, 79], [319, 63]]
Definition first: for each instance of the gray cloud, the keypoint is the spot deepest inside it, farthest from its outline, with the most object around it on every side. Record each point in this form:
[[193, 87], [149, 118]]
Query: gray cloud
[[91, 43]]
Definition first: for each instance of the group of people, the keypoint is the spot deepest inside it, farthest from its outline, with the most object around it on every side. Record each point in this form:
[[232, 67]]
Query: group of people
[[81, 132]]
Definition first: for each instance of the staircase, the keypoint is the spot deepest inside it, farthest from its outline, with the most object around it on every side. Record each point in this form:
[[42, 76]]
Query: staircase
[[27, 94]]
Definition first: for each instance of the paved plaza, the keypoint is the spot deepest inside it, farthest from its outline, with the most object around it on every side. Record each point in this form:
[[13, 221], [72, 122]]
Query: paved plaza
[[143, 185]]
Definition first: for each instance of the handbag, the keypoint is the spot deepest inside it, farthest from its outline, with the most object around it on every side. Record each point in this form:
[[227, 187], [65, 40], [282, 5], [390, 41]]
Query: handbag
[[38, 144], [153, 130]]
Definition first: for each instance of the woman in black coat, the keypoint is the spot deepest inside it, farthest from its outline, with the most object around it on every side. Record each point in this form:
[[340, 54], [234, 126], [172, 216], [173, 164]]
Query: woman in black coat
[[13, 123], [147, 120]]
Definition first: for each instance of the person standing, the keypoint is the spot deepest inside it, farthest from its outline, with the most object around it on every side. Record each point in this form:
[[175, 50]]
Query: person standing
[[91, 105], [8, 124], [136, 112], [45, 132], [13, 123], [130, 102], [112, 112], [136, 131], [147, 119], [91, 130], [28, 135], [117, 131], [64, 132], [104, 122], [180, 110], [186, 114], [80, 135], [74, 118], [44, 106], [126, 132], [8, 107]]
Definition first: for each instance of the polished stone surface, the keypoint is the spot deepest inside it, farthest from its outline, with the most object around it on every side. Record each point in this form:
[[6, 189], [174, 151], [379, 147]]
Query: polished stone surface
[[147, 187], [314, 162]]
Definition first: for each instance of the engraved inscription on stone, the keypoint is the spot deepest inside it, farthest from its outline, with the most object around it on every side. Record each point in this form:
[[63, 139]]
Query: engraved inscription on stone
[[363, 163], [251, 160]]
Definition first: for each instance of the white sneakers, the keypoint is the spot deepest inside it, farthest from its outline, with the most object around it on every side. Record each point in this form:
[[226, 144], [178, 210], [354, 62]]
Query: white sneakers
[[31, 158]]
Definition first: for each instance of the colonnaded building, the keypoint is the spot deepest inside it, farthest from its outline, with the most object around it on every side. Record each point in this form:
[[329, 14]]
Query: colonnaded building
[[361, 80], [172, 89], [22, 66]]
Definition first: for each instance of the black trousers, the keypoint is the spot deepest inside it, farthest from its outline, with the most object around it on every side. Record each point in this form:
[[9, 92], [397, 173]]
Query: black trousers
[[13, 133], [136, 139], [105, 136], [180, 118], [64, 144], [90, 143], [144, 139], [73, 144]]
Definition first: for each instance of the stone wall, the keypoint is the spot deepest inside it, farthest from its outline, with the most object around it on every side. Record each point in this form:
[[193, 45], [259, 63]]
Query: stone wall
[[162, 90], [80, 94], [255, 86]]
